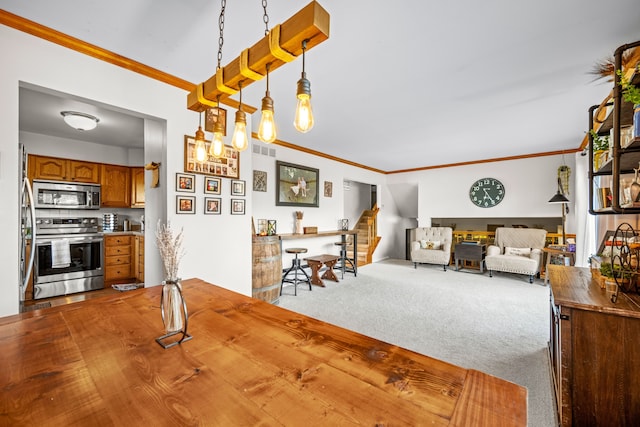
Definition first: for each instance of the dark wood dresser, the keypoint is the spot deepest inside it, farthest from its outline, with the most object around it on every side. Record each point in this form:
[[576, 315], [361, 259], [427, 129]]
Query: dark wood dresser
[[595, 351]]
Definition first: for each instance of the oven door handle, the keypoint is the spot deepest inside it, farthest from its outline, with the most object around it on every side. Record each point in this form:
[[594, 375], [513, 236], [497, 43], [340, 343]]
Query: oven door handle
[[72, 240]]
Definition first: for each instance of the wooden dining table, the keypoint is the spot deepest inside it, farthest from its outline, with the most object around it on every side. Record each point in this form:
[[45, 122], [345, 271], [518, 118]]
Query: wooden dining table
[[249, 363]]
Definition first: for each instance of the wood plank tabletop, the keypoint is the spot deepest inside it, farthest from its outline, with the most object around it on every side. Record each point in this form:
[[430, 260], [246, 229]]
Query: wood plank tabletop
[[249, 363]]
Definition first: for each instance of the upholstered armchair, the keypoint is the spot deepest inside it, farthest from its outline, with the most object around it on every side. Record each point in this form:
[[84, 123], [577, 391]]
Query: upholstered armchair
[[516, 250], [431, 245]]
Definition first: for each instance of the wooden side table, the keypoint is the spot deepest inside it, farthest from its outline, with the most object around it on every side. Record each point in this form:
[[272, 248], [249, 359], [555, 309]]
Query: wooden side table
[[466, 252], [315, 262]]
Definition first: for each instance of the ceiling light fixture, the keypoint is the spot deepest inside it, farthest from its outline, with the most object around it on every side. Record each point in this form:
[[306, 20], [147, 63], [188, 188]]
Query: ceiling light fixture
[[80, 121], [201, 152], [240, 140], [303, 121], [267, 129], [280, 45]]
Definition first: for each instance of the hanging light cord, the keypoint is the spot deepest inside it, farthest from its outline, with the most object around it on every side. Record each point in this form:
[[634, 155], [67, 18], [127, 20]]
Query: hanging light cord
[[240, 89], [267, 67], [304, 48], [221, 28], [265, 17]]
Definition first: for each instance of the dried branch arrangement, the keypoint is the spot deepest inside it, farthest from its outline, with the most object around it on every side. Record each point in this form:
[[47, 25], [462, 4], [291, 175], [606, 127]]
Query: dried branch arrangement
[[299, 214], [170, 247]]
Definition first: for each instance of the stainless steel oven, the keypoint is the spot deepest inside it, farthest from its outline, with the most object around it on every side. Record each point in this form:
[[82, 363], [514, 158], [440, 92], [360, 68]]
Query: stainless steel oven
[[68, 256]]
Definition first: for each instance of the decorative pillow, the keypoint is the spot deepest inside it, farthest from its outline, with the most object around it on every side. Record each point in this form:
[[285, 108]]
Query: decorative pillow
[[428, 244], [525, 252]]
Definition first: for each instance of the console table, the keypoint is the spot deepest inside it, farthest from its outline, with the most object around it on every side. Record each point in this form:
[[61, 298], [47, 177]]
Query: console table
[[594, 351], [467, 252]]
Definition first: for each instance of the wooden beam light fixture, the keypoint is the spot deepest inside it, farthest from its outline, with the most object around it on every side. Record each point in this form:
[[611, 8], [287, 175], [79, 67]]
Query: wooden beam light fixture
[[282, 44]]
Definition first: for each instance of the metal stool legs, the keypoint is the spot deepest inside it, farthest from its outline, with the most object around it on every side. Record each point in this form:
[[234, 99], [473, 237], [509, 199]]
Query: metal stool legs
[[346, 263], [295, 267]]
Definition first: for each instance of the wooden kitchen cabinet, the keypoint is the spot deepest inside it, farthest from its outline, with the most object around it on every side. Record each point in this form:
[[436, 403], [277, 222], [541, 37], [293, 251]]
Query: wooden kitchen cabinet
[[138, 259], [137, 187], [594, 351], [116, 186], [56, 169], [118, 259]]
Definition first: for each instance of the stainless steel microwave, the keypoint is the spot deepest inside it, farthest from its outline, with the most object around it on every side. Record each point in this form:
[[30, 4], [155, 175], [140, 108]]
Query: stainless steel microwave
[[65, 195]]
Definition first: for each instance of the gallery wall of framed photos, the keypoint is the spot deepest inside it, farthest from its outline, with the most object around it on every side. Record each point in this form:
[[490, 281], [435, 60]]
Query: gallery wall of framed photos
[[213, 172]]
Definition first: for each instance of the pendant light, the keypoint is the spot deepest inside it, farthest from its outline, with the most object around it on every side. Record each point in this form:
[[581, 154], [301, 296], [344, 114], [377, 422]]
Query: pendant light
[[201, 152], [240, 139], [216, 149], [267, 128], [303, 121]]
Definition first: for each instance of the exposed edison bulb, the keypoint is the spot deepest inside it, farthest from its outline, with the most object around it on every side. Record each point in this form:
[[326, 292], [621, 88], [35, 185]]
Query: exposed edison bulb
[[304, 115], [267, 128], [240, 139], [216, 149], [201, 151]]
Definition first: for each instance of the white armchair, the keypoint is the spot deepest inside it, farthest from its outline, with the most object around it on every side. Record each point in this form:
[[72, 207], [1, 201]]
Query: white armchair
[[431, 245], [516, 250]]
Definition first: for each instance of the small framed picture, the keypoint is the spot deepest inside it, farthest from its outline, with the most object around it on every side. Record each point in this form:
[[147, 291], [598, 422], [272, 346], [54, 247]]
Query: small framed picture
[[185, 182], [328, 189], [212, 185], [237, 206], [237, 187], [259, 181], [212, 205], [185, 204]]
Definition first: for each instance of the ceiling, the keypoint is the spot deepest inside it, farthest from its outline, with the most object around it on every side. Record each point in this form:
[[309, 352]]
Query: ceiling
[[398, 85]]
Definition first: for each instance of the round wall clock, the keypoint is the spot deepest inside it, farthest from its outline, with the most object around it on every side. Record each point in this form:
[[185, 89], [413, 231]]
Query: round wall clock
[[486, 192]]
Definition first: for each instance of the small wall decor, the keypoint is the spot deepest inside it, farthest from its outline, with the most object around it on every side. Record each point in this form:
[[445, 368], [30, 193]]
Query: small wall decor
[[211, 117], [155, 176], [237, 206], [237, 187], [228, 166], [328, 189], [185, 182], [212, 205], [259, 181], [185, 204], [296, 185], [212, 185]]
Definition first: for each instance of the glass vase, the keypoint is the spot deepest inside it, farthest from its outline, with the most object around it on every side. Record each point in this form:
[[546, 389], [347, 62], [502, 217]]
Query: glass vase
[[172, 305]]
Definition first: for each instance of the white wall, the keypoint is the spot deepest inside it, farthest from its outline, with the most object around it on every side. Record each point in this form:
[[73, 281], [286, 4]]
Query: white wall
[[357, 198], [218, 247], [330, 209]]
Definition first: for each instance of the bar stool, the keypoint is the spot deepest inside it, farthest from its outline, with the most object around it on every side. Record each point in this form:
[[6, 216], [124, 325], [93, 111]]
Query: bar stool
[[346, 264], [295, 267]]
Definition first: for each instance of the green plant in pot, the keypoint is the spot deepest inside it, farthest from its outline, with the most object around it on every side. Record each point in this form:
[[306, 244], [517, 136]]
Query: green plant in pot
[[600, 149], [631, 94], [611, 271]]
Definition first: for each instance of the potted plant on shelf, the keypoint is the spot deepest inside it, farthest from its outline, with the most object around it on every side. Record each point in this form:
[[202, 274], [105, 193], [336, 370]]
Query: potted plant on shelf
[[600, 149], [631, 94]]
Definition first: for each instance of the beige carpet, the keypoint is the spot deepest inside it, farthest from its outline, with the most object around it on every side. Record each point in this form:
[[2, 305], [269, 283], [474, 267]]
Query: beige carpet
[[497, 325]]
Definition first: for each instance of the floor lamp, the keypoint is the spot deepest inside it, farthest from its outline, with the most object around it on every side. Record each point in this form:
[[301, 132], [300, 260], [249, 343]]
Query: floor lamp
[[562, 199]]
